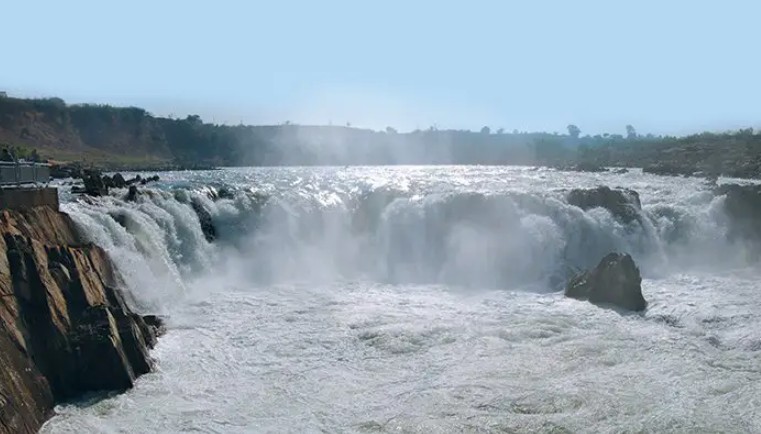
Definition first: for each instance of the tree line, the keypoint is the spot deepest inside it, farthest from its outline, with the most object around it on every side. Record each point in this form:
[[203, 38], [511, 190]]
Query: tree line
[[129, 131]]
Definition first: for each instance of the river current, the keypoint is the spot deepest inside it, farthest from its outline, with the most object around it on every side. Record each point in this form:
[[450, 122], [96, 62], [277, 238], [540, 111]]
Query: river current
[[425, 299]]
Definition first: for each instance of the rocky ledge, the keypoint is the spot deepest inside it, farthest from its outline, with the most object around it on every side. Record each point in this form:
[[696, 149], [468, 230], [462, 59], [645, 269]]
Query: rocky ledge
[[65, 326], [623, 204]]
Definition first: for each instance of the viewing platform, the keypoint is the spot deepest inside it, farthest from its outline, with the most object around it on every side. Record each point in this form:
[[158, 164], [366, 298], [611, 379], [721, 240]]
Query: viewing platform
[[24, 185]]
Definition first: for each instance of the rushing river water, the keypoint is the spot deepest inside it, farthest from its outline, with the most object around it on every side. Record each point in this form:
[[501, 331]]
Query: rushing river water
[[426, 299]]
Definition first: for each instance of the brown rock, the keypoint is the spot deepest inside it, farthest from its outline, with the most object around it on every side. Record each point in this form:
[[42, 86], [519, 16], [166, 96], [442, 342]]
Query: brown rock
[[65, 328]]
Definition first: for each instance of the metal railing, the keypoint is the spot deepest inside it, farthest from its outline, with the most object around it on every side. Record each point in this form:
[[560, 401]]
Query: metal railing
[[23, 172]]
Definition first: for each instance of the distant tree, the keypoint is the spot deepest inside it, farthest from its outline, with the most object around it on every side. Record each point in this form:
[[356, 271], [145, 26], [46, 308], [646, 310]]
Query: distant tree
[[631, 133], [574, 131], [501, 131], [194, 120], [391, 130], [34, 156], [485, 130]]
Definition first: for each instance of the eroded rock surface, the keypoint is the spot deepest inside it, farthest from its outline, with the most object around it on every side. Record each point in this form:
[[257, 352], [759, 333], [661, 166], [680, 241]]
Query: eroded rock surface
[[65, 328]]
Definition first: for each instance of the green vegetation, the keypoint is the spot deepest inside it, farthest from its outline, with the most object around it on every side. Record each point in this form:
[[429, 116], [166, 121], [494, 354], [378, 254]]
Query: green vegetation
[[117, 137]]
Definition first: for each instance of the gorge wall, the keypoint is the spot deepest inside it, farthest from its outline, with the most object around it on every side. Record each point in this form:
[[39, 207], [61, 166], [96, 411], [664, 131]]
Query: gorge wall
[[65, 328]]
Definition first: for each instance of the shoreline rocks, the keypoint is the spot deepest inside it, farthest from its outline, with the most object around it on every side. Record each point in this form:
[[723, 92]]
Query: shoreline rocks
[[65, 326], [97, 184], [615, 281]]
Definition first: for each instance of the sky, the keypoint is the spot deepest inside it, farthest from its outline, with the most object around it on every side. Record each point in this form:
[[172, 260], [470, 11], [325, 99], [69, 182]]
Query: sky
[[666, 67]]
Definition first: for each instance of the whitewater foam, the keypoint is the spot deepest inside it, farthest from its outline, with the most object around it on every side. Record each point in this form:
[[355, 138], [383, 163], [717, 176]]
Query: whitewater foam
[[424, 300]]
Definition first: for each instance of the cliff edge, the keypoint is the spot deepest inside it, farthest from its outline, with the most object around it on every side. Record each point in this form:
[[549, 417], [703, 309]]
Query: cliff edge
[[65, 328]]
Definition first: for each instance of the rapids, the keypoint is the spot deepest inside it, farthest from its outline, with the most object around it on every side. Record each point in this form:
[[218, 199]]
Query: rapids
[[425, 299]]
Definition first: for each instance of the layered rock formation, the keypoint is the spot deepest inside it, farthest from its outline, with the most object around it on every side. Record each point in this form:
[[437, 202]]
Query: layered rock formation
[[65, 328]]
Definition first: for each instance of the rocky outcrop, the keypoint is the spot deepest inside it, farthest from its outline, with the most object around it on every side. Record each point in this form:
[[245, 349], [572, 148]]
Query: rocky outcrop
[[97, 184], [624, 204], [742, 205], [65, 328], [94, 184], [615, 281], [204, 217]]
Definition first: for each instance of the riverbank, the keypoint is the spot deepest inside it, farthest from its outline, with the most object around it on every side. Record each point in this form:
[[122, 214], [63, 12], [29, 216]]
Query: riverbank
[[65, 326]]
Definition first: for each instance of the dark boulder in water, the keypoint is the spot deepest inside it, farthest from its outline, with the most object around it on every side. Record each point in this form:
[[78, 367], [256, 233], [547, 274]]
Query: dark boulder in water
[[615, 281], [225, 193], [119, 181], [94, 183], [132, 194], [624, 204], [204, 217], [743, 206]]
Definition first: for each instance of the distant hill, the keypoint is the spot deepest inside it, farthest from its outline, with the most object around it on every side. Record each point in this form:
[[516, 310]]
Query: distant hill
[[129, 136]]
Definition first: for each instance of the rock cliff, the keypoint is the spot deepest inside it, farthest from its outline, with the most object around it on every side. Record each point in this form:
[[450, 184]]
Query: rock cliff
[[65, 328]]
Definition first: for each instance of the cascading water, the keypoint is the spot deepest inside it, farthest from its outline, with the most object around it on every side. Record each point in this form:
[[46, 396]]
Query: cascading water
[[324, 284]]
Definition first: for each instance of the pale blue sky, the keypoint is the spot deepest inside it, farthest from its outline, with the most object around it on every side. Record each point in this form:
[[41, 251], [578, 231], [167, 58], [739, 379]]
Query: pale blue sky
[[664, 66]]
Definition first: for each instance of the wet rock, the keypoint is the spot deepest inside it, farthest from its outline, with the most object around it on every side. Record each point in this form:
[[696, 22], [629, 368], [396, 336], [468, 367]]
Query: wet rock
[[132, 194], [119, 181], [94, 184], [63, 171], [204, 217], [743, 206], [67, 329], [624, 204], [616, 282], [225, 193]]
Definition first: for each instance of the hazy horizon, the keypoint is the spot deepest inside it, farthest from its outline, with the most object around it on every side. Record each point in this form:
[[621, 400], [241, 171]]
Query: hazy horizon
[[675, 69]]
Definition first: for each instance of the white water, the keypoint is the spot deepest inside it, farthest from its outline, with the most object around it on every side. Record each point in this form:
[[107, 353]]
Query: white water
[[432, 309]]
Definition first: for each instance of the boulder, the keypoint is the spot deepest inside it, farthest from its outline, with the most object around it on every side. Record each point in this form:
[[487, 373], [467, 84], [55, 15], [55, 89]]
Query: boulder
[[132, 194], [742, 205], [624, 204], [225, 193], [94, 184], [615, 281], [119, 181]]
